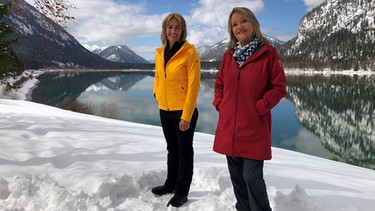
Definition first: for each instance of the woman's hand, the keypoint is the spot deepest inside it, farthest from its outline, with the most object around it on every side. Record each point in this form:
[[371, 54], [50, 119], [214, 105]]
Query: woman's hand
[[184, 125]]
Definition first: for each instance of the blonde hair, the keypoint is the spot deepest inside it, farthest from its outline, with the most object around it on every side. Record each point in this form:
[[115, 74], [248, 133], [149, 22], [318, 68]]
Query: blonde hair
[[249, 16], [181, 21]]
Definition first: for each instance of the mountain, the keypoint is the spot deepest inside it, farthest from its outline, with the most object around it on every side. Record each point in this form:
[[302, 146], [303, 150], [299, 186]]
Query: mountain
[[43, 43], [338, 34], [203, 49], [215, 53], [120, 53]]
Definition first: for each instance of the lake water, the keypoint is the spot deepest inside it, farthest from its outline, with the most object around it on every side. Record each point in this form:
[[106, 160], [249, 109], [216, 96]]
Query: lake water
[[326, 116]]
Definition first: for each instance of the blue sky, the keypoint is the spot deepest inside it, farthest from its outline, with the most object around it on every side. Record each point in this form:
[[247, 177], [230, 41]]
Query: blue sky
[[137, 24]]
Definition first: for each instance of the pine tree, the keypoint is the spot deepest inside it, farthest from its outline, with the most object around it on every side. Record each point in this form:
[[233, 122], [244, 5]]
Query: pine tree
[[8, 59]]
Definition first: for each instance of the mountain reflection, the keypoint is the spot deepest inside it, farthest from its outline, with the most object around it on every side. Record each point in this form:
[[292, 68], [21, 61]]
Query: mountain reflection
[[335, 113], [339, 109], [57, 87]]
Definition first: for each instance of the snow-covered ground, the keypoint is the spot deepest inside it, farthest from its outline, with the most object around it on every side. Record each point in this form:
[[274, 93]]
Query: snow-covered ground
[[53, 159]]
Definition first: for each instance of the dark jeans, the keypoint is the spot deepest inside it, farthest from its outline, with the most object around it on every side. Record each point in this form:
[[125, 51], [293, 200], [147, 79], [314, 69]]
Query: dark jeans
[[180, 156], [248, 184]]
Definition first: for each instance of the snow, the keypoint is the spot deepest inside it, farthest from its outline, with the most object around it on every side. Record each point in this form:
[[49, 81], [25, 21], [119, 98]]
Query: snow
[[53, 159]]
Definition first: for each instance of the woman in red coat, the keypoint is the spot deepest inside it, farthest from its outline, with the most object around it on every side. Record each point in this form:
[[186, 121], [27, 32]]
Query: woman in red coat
[[250, 82]]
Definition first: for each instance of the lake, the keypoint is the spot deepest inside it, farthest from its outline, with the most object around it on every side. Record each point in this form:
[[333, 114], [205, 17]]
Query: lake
[[330, 116]]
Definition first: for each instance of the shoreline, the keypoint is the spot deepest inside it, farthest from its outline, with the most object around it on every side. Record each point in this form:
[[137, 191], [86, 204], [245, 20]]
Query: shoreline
[[327, 72], [25, 91], [288, 71]]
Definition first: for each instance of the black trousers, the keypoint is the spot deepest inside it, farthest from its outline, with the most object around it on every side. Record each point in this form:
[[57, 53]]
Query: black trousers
[[248, 184], [180, 156]]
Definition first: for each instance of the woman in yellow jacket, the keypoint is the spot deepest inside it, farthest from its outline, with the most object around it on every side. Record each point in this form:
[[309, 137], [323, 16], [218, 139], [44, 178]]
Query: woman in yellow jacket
[[176, 87]]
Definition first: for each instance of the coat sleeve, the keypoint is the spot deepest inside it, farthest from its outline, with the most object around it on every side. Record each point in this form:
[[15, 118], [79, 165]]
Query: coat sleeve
[[277, 84], [156, 80], [194, 77]]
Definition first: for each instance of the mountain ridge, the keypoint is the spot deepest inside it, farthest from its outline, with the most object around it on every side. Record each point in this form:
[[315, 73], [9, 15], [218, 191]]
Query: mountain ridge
[[42, 43], [338, 34], [120, 53]]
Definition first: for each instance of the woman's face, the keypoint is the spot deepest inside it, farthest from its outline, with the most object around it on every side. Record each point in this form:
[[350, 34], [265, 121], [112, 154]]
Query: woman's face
[[242, 29], [173, 31]]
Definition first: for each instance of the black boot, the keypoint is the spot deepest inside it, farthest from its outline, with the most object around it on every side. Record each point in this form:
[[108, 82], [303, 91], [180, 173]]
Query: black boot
[[177, 201], [161, 190]]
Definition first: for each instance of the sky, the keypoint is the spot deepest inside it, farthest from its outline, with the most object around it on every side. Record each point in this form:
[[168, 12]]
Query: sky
[[54, 159], [137, 24]]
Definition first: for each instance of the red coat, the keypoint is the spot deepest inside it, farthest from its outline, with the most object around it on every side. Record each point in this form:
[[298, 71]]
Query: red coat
[[244, 98]]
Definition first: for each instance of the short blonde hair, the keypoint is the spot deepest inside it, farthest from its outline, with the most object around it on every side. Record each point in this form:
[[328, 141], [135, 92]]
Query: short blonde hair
[[181, 21], [253, 20]]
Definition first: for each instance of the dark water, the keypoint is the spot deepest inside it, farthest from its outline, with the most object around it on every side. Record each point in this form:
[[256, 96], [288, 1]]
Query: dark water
[[325, 116]]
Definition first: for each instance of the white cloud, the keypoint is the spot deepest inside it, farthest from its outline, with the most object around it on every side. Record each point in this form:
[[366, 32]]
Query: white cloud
[[104, 22], [215, 13], [145, 49], [286, 36], [310, 4], [137, 24], [209, 20], [108, 21]]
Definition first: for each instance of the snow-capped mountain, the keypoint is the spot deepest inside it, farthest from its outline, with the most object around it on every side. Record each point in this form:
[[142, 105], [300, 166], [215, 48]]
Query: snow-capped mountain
[[94, 48], [203, 49], [43, 43], [120, 53], [216, 51], [338, 34]]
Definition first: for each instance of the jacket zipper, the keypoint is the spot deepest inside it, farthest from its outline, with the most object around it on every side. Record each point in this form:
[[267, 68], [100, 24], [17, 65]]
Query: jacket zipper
[[235, 111], [165, 89], [165, 76]]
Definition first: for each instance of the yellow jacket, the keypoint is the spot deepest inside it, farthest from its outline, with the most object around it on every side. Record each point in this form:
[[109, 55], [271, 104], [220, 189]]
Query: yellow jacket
[[176, 86]]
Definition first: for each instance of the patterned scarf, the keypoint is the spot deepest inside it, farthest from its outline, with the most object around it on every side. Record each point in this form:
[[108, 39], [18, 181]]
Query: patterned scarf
[[243, 53]]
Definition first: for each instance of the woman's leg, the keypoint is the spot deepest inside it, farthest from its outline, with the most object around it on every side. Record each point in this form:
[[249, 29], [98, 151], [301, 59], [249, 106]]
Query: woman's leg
[[248, 184], [257, 190], [186, 153], [170, 127], [180, 156], [235, 167]]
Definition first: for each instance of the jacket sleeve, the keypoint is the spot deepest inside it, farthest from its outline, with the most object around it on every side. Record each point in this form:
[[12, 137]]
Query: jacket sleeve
[[193, 76], [277, 84], [156, 80]]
